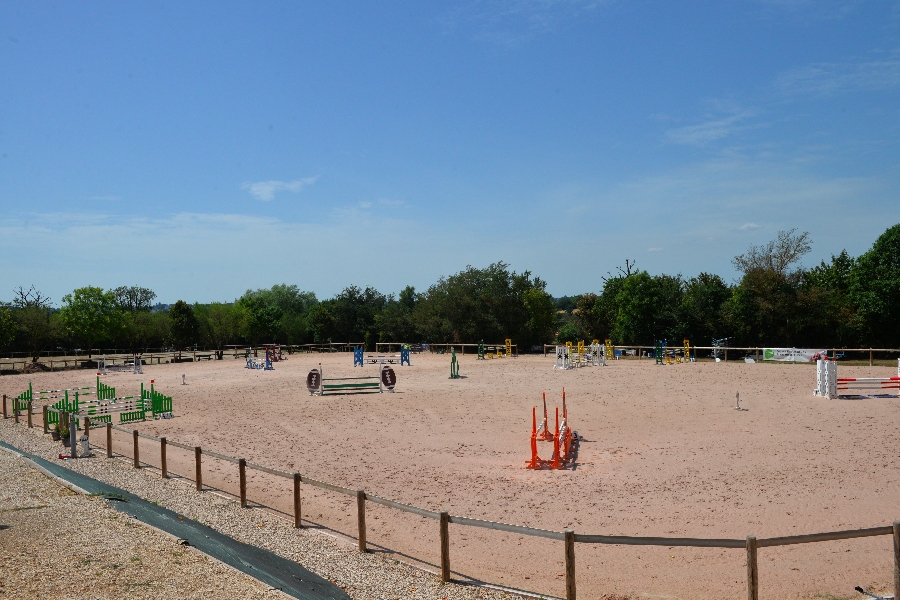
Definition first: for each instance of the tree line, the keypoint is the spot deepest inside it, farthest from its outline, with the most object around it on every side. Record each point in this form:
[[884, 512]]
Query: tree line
[[844, 302], [475, 304]]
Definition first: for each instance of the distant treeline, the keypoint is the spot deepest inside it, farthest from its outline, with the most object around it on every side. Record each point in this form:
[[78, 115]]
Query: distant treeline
[[843, 303], [846, 302], [474, 304]]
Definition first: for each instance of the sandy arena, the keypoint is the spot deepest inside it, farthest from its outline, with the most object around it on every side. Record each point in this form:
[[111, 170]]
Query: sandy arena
[[664, 453]]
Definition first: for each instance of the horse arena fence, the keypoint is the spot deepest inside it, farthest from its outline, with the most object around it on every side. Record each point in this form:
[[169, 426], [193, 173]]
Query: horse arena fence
[[751, 544]]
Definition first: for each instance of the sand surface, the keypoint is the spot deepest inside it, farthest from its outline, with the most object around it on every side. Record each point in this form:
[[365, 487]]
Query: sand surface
[[664, 453]]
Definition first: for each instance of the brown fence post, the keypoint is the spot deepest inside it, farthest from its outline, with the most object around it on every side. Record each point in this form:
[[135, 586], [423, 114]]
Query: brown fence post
[[296, 500], [242, 472], [109, 440], [569, 537], [162, 457], [5, 415], [15, 406], [198, 474], [896, 559], [752, 569], [361, 518], [30, 402], [44, 417], [87, 426], [137, 454], [445, 546]]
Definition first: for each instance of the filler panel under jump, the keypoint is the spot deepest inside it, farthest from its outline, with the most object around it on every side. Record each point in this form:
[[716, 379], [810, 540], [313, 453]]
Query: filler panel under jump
[[319, 385]]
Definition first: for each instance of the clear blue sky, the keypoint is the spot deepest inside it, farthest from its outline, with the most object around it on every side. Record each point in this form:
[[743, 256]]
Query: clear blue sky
[[201, 149]]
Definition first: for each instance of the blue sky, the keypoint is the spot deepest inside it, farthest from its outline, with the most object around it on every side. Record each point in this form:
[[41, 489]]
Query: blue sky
[[201, 149]]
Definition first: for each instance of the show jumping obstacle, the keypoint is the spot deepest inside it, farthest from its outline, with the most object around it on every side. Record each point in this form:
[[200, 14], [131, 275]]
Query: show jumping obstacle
[[572, 357], [829, 385], [565, 440], [669, 357], [318, 385], [100, 408], [454, 365], [496, 351], [273, 354], [134, 367], [381, 359]]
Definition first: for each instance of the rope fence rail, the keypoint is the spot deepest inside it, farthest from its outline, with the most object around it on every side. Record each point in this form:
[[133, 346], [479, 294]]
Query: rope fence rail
[[569, 538]]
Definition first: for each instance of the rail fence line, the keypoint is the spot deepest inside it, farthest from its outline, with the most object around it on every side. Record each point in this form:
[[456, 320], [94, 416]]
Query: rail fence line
[[569, 538], [724, 350]]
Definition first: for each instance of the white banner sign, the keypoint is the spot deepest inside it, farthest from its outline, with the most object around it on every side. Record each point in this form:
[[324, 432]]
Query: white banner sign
[[793, 354]]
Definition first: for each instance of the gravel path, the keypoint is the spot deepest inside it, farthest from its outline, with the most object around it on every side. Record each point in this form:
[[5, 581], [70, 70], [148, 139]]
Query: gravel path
[[55, 543], [145, 563]]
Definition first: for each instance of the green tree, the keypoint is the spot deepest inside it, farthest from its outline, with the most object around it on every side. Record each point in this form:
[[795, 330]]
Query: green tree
[[7, 326], [279, 314], [394, 322], [220, 324], [647, 308], [262, 318], [143, 329], [184, 327], [832, 321], [91, 315], [354, 313], [138, 327], [874, 290], [32, 311], [321, 321], [134, 299], [477, 304], [768, 306], [541, 315], [701, 307]]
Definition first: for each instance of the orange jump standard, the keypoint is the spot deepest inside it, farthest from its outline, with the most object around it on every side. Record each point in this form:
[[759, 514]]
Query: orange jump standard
[[564, 439]]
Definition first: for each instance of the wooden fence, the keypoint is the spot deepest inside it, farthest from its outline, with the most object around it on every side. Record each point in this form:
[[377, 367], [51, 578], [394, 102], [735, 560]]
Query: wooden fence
[[639, 351], [569, 538]]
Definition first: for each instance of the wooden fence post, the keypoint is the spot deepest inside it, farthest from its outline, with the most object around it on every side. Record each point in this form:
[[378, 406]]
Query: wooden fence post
[[198, 474], [44, 417], [361, 518], [30, 402], [162, 458], [242, 473], [137, 454], [569, 537], [296, 500], [109, 440], [5, 416], [896, 559], [87, 426], [752, 569], [445, 546], [15, 404]]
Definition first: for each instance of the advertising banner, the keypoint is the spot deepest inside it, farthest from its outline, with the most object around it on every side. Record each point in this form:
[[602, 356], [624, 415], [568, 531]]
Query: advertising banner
[[793, 354]]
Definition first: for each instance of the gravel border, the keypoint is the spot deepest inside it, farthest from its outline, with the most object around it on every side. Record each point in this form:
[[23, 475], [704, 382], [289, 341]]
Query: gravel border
[[55, 543]]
